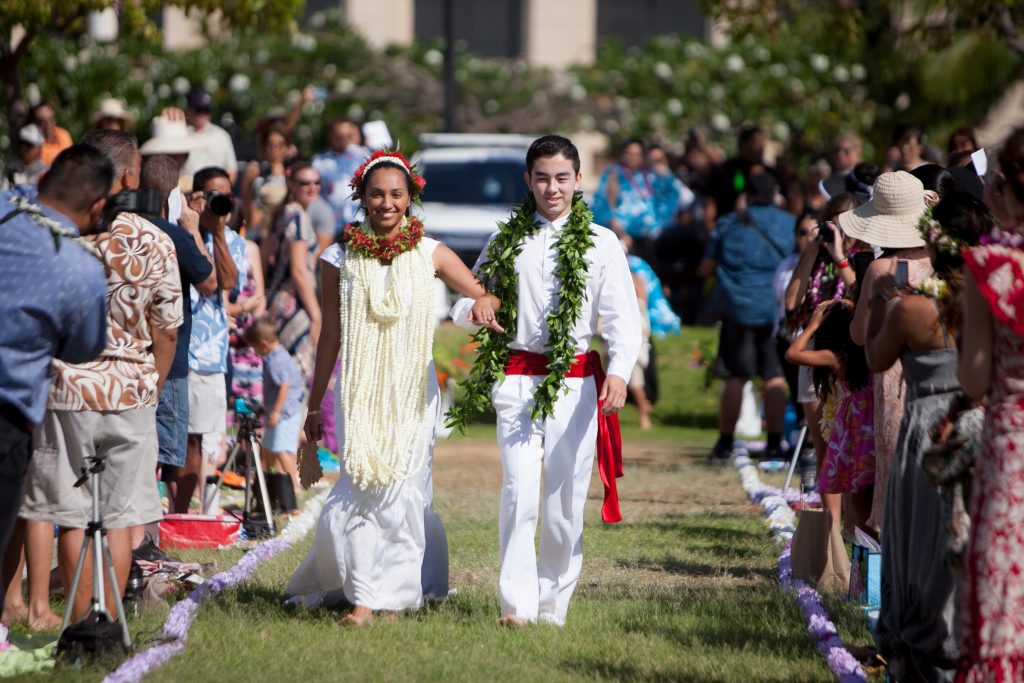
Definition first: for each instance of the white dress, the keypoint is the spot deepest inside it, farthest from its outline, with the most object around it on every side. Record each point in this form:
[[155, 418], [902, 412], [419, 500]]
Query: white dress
[[382, 549]]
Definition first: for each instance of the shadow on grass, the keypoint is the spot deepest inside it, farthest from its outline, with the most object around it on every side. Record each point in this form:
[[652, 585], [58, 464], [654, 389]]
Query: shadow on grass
[[675, 565], [691, 420]]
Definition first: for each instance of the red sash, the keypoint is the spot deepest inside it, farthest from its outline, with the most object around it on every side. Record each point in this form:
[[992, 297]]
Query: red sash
[[609, 438]]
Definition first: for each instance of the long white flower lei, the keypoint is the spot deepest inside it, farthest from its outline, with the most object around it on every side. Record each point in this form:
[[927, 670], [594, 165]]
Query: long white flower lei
[[385, 351]]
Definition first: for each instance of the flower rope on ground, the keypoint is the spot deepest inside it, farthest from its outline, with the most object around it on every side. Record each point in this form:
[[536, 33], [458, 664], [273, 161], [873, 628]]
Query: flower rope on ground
[[782, 521], [179, 621]]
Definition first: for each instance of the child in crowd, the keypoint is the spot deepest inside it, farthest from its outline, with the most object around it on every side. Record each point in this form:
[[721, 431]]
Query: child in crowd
[[839, 366], [282, 397]]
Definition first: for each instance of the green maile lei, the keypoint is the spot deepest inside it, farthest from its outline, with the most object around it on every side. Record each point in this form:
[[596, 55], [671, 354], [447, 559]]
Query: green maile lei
[[498, 273]]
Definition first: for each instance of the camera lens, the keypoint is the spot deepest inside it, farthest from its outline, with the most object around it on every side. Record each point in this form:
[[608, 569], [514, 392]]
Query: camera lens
[[220, 204], [825, 232]]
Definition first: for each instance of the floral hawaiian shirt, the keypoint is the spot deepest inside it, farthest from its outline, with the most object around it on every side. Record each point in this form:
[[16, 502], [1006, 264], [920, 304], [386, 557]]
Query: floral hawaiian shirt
[[143, 292]]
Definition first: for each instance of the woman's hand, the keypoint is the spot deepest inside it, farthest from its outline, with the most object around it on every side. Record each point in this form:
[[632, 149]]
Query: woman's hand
[[835, 247], [485, 311], [313, 428], [819, 313]]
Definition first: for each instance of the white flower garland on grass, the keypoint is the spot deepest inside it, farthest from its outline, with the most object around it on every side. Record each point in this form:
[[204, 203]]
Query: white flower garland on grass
[[385, 350], [782, 521]]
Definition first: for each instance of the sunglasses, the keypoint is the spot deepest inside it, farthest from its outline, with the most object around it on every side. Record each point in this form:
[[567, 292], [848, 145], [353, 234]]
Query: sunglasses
[[307, 183]]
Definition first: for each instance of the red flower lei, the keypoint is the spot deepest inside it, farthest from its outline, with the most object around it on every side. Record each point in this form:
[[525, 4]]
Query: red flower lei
[[369, 244]]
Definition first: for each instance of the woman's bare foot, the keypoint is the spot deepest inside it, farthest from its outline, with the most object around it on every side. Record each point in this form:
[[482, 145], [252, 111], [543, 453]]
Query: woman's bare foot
[[360, 616], [13, 614], [47, 621], [512, 622]]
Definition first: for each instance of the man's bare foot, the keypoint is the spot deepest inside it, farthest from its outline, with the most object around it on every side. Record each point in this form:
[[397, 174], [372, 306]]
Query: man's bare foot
[[13, 614], [47, 621], [360, 616], [512, 622]]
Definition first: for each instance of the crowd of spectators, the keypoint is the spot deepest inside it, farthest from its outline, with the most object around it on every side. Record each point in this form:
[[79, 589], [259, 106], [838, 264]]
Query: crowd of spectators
[[881, 298]]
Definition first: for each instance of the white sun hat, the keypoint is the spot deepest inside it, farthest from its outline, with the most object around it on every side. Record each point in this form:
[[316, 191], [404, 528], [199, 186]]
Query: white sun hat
[[890, 218], [169, 137], [112, 108]]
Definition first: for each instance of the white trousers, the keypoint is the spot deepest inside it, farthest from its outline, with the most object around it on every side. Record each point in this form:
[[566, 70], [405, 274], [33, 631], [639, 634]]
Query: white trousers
[[536, 584]]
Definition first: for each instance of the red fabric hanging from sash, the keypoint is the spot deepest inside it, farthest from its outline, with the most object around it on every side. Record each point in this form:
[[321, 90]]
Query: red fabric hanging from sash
[[609, 438]]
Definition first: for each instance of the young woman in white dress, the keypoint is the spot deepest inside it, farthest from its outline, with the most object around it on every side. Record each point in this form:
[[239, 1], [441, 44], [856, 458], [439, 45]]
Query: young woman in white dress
[[378, 316]]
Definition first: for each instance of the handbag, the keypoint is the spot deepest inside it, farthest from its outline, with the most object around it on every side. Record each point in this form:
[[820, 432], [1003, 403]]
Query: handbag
[[818, 554]]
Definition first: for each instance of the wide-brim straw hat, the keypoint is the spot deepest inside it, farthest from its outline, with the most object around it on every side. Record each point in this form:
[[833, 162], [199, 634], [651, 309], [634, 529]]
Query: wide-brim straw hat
[[169, 137], [890, 218], [113, 108]]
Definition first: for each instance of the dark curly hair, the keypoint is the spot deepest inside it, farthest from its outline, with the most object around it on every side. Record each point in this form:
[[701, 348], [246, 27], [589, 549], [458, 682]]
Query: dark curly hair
[[834, 335], [964, 218]]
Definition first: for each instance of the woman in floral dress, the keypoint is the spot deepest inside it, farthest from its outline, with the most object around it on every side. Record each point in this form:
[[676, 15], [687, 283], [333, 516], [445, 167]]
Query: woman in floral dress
[[992, 367]]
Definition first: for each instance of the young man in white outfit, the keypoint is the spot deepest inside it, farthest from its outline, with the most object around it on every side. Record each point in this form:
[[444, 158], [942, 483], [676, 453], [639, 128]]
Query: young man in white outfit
[[558, 448]]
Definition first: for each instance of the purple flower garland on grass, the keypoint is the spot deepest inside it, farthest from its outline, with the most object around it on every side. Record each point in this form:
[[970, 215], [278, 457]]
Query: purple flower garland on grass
[[777, 507], [179, 621]]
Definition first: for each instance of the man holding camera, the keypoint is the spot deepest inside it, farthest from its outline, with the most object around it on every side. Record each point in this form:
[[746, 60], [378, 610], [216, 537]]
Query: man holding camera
[[208, 345], [107, 407], [745, 248], [195, 267], [54, 305]]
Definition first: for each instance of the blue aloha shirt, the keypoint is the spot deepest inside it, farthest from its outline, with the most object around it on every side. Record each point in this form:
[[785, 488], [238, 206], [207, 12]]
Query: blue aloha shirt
[[664, 320], [336, 170], [208, 345], [647, 202]]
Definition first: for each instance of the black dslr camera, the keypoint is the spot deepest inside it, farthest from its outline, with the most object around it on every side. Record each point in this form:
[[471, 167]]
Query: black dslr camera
[[826, 232], [218, 203], [132, 201]]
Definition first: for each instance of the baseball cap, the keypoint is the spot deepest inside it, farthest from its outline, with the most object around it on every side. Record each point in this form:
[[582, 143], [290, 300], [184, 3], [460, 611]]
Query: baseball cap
[[200, 100], [31, 135]]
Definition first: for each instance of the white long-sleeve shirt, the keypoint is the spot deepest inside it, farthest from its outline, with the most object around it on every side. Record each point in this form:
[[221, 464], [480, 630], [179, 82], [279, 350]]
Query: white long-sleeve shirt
[[610, 296]]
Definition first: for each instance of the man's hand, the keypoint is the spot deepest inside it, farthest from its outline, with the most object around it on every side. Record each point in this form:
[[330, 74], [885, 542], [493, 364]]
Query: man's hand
[[173, 114], [273, 418], [189, 219], [613, 395]]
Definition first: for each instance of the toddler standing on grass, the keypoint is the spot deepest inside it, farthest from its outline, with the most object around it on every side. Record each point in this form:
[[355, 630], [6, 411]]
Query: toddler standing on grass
[[282, 397]]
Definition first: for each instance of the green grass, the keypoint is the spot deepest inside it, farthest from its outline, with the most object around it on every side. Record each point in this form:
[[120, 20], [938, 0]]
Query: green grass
[[684, 589]]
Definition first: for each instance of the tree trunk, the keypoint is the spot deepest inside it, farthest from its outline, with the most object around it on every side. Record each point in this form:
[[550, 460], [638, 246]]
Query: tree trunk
[[14, 108]]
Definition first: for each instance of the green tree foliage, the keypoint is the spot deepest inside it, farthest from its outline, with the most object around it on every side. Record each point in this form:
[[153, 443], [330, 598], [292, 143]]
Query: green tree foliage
[[250, 74], [939, 63], [800, 96], [66, 18]]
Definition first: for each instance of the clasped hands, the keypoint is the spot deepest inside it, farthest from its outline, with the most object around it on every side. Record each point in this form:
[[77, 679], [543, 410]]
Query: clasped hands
[[485, 312]]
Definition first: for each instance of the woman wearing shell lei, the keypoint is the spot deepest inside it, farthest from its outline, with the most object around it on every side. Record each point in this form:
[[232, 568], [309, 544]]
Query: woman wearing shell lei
[[377, 289]]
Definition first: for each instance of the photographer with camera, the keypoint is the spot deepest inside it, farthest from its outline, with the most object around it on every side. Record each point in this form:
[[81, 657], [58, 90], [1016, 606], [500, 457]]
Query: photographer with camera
[[195, 267], [66, 319], [208, 343], [107, 407]]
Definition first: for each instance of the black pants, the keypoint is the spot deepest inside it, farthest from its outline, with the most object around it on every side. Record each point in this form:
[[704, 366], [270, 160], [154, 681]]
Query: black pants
[[15, 452]]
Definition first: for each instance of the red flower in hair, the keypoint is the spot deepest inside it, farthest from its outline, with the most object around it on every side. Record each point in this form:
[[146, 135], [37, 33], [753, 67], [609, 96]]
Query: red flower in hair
[[418, 181]]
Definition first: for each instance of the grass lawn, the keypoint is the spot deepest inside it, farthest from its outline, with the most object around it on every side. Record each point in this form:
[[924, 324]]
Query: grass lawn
[[684, 589]]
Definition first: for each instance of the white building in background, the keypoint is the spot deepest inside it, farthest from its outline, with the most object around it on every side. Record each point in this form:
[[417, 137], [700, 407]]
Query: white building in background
[[549, 33]]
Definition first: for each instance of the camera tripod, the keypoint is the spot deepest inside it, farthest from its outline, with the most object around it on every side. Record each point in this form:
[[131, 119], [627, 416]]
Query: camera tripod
[[96, 536], [247, 442]]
